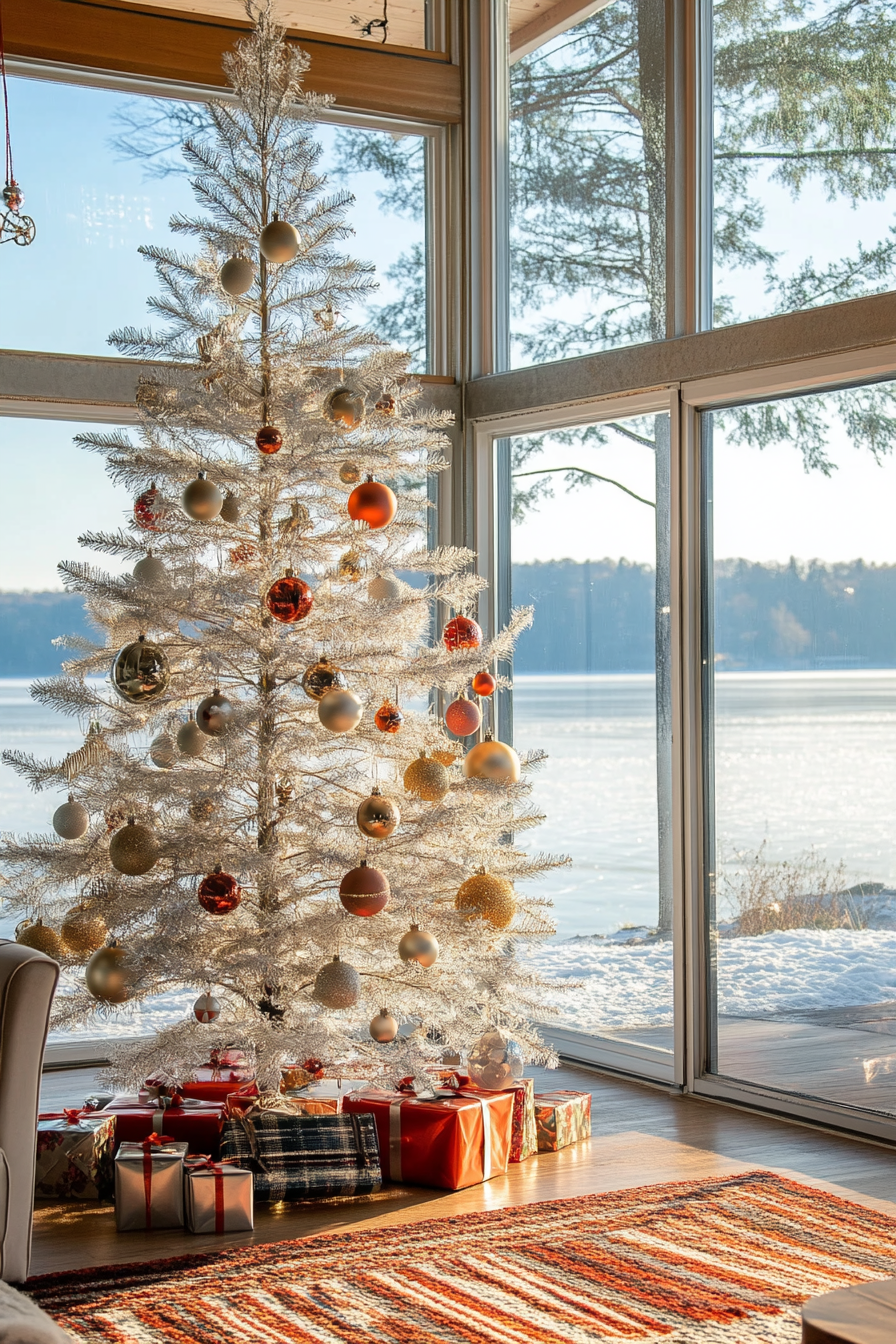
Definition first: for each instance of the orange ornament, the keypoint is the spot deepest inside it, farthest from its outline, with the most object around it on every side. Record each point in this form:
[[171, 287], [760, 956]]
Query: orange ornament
[[484, 683], [372, 503], [388, 717], [219, 893], [364, 891], [289, 599], [462, 632], [462, 717], [268, 440]]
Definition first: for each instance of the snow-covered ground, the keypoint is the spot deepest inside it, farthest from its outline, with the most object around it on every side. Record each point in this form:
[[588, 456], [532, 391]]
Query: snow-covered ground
[[630, 985]]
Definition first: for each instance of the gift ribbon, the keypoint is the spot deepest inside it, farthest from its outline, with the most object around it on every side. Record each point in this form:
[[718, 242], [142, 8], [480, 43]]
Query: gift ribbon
[[72, 1114], [154, 1141]]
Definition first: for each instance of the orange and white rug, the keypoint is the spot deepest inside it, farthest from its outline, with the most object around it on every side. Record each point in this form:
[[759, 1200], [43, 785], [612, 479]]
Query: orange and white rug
[[725, 1261]]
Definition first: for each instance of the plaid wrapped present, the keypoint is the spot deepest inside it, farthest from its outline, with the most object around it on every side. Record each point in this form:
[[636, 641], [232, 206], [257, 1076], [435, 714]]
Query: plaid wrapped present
[[304, 1156], [74, 1155], [562, 1118]]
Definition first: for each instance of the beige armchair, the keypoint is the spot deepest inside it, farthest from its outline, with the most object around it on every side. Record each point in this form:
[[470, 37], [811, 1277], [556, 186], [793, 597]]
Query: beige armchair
[[27, 985]]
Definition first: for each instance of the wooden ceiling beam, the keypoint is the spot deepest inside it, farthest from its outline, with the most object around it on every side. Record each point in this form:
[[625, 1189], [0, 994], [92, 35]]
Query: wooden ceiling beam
[[170, 45]]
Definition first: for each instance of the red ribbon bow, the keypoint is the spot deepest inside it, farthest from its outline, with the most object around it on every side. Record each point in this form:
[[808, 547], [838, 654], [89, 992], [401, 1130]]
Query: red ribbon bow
[[72, 1114]]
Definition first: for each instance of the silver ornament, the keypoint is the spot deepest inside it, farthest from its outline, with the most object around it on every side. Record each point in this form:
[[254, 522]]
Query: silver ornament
[[214, 714], [337, 985], [236, 276], [140, 671], [151, 573], [202, 500], [495, 1061], [206, 1008], [383, 1027], [340, 711], [162, 752], [191, 740], [71, 820]]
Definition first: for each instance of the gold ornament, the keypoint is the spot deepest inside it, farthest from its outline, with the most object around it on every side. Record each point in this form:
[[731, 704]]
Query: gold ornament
[[350, 567], [151, 573], [419, 946], [134, 849], [203, 807], [236, 276], [321, 677], [83, 930], [349, 473], [492, 760], [191, 740], [337, 985], [445, 758], [163, 752], [377, 817], [107, 974], [383, 1028], [279, 241], [344, 408], [140, 671], [39, 937], [485, 896], [230, 509], [71, 820], [202, 500], [340, 711], [214, 714], [427, 778]]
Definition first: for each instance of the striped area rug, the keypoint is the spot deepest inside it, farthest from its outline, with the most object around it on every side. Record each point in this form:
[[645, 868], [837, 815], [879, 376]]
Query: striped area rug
[[725, 1261]]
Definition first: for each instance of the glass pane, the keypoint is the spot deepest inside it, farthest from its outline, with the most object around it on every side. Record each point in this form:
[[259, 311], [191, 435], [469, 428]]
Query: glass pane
[[803, 652], [103, 174], [804, 167], [587, 183], [589, 550]]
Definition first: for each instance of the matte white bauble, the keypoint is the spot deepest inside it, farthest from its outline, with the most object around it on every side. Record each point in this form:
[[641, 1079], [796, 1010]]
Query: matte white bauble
[[384, 588], [71, 820]]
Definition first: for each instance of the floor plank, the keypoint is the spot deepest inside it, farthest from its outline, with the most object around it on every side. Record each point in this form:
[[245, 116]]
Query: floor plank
[[641, 1136]]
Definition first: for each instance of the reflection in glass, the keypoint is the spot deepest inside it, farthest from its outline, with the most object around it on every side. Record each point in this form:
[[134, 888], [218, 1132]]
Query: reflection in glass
[[804, 176], [589, 550], [588, 193], [802, 647]]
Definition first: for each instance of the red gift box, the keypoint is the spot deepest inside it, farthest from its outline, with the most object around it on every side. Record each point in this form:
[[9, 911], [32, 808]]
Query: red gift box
[[524, 1135], [451, 1140], [206, 1090], [199, 1126]]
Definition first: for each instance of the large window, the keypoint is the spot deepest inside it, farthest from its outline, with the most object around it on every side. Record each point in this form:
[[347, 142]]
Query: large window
[[103, 175], [589, 548], [588, 186], [804, 165], [802, 647]]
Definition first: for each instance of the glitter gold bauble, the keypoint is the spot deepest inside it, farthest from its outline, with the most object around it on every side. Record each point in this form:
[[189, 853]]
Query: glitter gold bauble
[[219, 893], [236, 276], [321, 677], [377, 817], [349, 473], [107, 974], [38, 936], [269, 440], [372, 503], [149, 509], [463, 717], [151, 573], [163, 752], [492, 760], [350, 567], [279, 241], [230, 509], [340, 711], [289, 599], [364, 890], [206, 1009], [191, 740], [202, 500], [203, 808], [71, 820], [344, 408], [83, 930], [462, 632], [485, 896], [383, 1027], [134, 850], [337, 985], [140, 671], [388, 717], [384, 588], [214, 714], [427, 778], [419, 946], [484, 684]]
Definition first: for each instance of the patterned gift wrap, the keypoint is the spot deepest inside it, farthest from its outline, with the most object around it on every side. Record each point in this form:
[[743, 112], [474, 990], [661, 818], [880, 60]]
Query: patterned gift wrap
[[149, 1184], [74, 1156], [305, 1156], [217, 1196], [562, 1118]]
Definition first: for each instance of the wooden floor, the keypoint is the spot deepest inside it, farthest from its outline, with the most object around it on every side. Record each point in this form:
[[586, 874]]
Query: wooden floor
[[641, 1136]]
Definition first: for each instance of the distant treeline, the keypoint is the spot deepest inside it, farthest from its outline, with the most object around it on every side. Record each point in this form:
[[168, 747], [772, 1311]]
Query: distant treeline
[[599, 617]]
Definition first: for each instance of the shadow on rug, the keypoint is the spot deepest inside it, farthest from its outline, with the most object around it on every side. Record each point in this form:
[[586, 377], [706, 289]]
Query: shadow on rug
[[725, 1261]]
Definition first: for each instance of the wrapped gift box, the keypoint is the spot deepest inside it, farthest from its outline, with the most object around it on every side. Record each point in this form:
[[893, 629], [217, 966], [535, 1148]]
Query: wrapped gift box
[[216, 1091], [450, 1140], [562, 1118], [74, 1155], [295, 1156], [524, 1136], [196, 1123], [217, 1196], [323, 1098], [149, 1184]]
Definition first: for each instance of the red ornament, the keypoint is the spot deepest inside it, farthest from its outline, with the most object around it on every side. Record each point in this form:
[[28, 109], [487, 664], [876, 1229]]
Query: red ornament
[[462, 632], [219, 893], [388, 717], [149, 510], [372, 503], [484, 683], [289, 599], [364, 890], [268, 440], [463, 717], [242, 554]]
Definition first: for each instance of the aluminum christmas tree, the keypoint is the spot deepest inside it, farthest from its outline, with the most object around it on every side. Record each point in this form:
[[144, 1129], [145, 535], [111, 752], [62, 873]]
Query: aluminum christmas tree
[[263, 654]]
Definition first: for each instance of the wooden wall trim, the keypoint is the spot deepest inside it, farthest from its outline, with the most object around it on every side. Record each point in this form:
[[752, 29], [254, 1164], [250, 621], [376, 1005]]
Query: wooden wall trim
[[187, 48]]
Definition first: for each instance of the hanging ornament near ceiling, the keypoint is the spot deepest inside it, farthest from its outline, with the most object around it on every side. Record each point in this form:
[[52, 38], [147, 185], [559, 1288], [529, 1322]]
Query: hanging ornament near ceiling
[[14, 226]]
